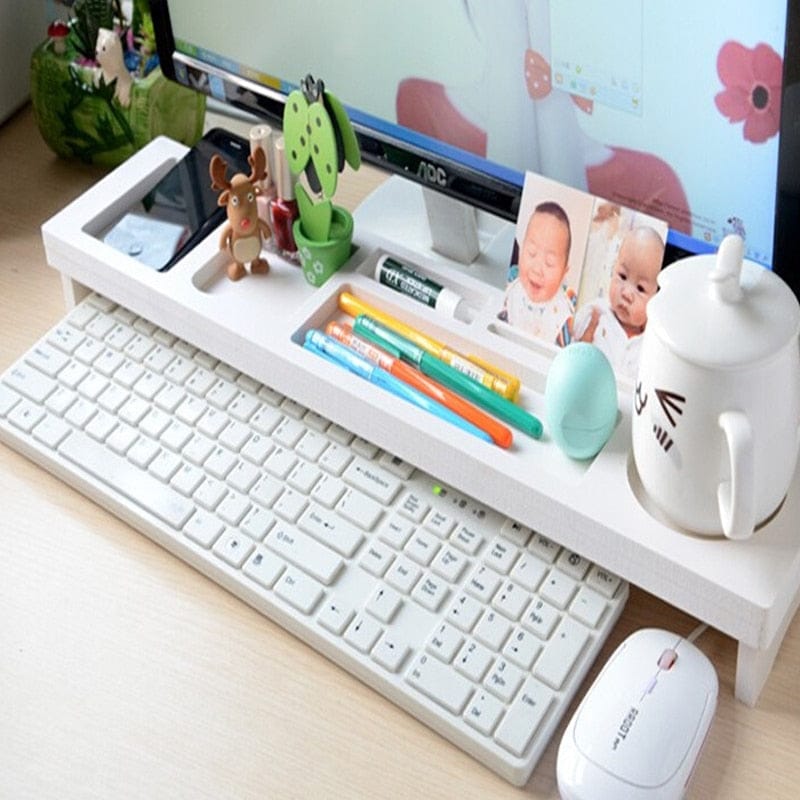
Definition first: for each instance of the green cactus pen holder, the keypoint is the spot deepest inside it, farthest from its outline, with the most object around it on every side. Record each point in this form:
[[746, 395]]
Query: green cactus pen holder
[[319, 141]]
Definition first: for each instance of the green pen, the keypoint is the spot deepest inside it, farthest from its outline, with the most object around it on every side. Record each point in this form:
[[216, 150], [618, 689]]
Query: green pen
[[435, 368]]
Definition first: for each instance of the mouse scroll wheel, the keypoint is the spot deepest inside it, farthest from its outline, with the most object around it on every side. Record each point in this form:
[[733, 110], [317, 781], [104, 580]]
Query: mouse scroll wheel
[[667, 659]]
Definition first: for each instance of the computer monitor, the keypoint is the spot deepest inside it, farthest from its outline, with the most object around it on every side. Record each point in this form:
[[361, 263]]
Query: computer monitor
[[687, 111]]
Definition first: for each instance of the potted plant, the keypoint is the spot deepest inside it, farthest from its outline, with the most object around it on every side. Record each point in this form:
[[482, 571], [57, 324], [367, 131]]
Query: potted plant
[[97, 91], [319, 141]]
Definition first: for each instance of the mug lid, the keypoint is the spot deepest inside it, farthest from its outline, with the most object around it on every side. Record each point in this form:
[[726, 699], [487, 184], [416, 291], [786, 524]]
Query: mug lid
[[721, 310]]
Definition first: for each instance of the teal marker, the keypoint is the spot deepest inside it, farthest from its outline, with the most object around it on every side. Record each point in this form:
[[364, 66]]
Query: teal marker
[[435, 368]]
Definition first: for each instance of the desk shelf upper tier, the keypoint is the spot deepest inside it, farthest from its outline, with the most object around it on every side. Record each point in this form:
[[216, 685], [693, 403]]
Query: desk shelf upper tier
[[746, 589]]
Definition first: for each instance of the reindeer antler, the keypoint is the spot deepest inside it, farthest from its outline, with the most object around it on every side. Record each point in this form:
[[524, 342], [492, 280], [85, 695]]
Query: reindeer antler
[[217, 169], [258, 165]]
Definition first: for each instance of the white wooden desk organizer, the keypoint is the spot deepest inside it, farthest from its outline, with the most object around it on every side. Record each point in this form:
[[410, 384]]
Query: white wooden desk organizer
[[749, 590]]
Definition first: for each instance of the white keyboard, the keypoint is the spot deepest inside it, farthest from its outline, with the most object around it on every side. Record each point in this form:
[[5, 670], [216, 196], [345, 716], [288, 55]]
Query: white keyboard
[[474, 624]]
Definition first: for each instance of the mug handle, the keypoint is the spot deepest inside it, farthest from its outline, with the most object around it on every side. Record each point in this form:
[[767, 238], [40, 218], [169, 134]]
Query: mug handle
[[736, 497]]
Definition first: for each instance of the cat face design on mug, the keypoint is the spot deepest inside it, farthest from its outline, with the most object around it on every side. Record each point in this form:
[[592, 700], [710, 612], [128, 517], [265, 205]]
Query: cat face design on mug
[[664, 416]]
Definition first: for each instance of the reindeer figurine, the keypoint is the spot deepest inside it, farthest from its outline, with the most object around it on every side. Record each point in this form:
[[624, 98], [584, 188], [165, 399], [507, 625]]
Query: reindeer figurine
[[244, 232]]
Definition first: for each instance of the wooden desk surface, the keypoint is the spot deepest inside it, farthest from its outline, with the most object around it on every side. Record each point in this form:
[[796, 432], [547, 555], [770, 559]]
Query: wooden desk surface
[[125, 673]]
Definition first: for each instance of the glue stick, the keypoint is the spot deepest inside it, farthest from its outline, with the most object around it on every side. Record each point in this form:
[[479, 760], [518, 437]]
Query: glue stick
[[405, 280]]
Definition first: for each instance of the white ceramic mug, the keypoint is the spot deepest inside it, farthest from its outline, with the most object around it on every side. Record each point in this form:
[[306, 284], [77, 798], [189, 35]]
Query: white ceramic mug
[[716, 409]]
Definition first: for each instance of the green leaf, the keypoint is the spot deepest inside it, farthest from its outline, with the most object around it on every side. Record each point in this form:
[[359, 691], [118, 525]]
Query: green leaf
[[323, 148], [315, 218], [295, 131], [352, 152]]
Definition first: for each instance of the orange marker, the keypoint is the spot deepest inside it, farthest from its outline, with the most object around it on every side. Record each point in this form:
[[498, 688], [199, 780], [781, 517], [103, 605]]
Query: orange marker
[[497, 380], [501, 435]]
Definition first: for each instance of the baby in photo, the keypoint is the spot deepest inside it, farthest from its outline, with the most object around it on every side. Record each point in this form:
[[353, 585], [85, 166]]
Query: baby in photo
[[537, 301], [615, 324]]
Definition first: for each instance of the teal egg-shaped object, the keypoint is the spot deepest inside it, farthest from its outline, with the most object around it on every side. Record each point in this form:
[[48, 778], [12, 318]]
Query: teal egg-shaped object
[[581, 400]]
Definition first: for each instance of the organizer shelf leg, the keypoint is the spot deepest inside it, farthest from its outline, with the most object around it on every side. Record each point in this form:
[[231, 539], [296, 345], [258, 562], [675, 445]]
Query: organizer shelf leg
[[753, 665]]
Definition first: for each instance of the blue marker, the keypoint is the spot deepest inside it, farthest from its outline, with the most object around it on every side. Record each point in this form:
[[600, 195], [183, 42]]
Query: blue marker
[[327, 347]]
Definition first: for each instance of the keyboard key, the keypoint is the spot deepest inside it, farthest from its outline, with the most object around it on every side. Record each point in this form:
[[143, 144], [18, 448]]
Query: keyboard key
[[290, 505], [299, 590], [311, 445], [384, 603], [529, 571], [511, 599], [362, 633], [522, 648], [503, 680], [561, 653], [233, 548], [414, 507], [267, 491], [51, 431], [541, 618], [492, 630], [449, 564], [187, 479], [390, 652], [29, 382], [233, 508], [257, 523], [558, 588], [46, 359], [500, 555], [484, 712], [517, 534], [210, 493], [395, 531], [542, 547], [331, 530], [524, 717], [422, 547], [288, 432], [430, 592], [445, 642], [204, 529], [198, 449], [440, 683], [473, 660], [369, 478], [605, 582], [467, 538], [264, 568], [335, 459], [483, 583], [572, 564], [335, 616], [328, 491], [464, 612], [360, 510], [439, 523], [304, 552], [403, 574], [396, 466], [376, 559], [588, 606]]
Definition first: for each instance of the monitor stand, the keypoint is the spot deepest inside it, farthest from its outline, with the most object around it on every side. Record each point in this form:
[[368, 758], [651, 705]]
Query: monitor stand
[[438, 231]]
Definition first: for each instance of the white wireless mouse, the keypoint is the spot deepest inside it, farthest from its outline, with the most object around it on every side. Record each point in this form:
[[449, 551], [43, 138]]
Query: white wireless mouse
[[639, 729]]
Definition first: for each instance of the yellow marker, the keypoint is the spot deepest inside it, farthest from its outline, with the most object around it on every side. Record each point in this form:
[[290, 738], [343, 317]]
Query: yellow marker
[[497, 380]]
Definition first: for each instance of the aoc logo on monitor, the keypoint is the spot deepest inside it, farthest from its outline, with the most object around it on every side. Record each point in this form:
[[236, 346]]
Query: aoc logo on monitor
[[430, 173]]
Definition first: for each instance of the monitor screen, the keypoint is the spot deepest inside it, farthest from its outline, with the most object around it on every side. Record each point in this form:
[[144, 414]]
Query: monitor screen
[[672, 107]]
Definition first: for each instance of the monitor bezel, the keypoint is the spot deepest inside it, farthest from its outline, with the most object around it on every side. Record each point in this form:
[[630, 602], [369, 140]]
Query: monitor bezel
[[425, 161]]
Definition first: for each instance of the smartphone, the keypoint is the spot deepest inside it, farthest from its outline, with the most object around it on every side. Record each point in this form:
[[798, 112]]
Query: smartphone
[[182, 209]]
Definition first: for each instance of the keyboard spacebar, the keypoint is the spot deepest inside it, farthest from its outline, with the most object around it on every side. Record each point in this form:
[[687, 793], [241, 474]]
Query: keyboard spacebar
[[128, 480]]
